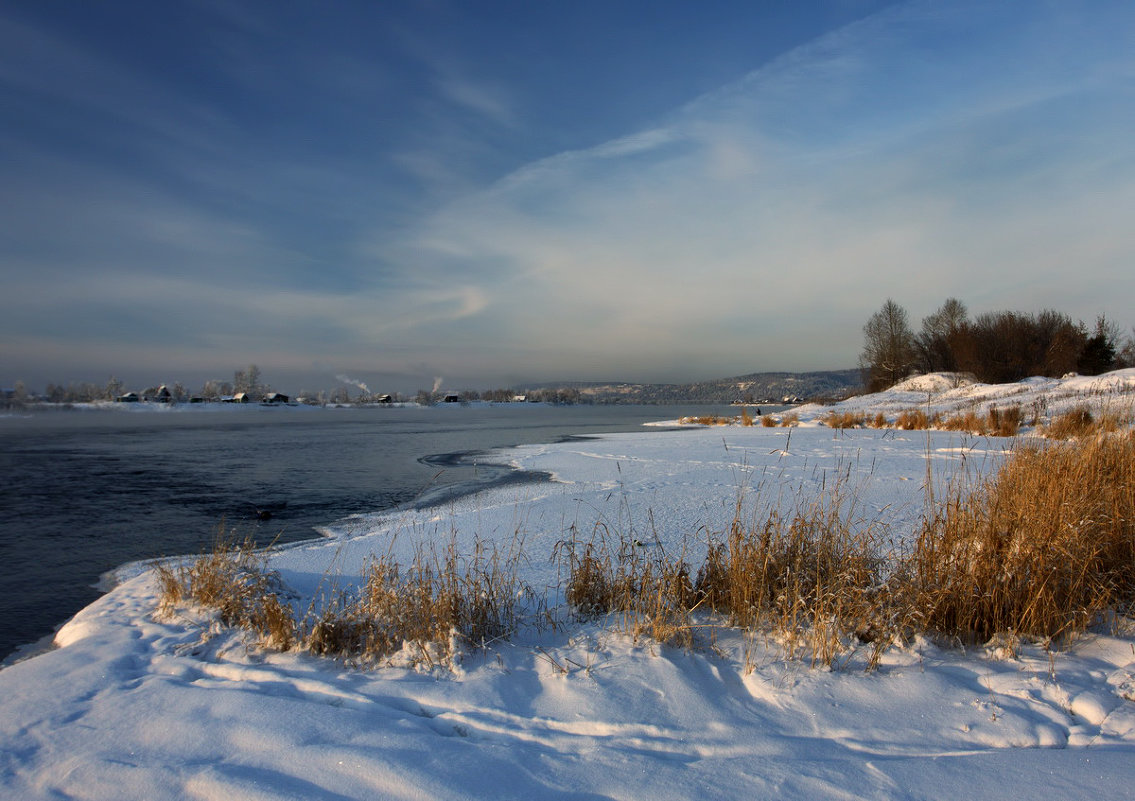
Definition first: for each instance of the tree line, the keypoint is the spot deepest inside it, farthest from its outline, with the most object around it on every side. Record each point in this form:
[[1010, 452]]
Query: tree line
[[994, 347]]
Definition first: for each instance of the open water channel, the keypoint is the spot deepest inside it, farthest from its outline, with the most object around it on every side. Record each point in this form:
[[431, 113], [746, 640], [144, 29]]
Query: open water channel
[[85, 491]]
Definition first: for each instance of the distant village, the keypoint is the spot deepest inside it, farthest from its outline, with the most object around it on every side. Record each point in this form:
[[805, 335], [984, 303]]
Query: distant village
[[162, 394], [247, 387]]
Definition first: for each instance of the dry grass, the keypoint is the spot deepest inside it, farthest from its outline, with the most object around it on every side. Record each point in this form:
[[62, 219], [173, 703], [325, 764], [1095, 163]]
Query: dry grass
[[788, 419], [744, 419], [912, 420], [649, 591], [997, 422], [842, 420], [968, 421], [233, 580], [440, 599], [708, 420], [1080, 422], [810, 580], [1005, 422], [1042, 548]]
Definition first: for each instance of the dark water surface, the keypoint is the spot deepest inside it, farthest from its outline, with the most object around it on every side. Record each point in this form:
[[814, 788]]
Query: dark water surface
[[82, 492]]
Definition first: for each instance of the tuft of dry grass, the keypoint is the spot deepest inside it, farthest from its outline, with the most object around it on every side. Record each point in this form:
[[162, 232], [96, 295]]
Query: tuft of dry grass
[[437, 599], [1080, 422], [649, 591], [841, 420], [1005, 422], [233, 580], [969, 421], [997, 422], [1042, 548], [708, 420], [912, 420], [810, 580]]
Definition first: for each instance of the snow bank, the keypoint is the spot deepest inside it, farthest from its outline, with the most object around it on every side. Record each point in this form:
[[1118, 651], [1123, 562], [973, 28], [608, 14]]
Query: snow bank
[[129, 706], [951, 393]]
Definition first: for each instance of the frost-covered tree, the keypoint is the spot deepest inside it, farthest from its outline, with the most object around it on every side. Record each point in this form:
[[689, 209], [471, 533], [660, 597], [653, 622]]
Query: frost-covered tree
[[248, 381], [113, 388]]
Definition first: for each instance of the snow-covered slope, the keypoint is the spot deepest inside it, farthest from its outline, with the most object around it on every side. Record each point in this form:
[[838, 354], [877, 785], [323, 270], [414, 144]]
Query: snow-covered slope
[[951, 393]]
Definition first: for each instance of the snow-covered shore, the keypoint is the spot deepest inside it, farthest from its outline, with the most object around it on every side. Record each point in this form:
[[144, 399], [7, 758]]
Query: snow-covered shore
[[130, 706]]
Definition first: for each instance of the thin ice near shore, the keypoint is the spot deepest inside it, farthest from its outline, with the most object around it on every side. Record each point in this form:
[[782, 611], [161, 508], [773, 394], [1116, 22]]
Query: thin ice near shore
[[130, 706]]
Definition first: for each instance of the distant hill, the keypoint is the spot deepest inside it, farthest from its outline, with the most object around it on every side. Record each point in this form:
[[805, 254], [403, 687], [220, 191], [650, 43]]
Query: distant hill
[[754, 387]]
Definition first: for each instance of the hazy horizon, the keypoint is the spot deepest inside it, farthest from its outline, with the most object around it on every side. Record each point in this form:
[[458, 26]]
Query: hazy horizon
[[508, 193]]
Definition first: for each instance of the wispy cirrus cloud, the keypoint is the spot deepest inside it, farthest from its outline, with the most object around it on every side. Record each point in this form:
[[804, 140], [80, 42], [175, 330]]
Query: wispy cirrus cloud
[[923, 153]]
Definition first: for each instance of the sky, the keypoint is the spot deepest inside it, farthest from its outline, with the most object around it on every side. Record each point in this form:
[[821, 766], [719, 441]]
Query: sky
[[491, 193]]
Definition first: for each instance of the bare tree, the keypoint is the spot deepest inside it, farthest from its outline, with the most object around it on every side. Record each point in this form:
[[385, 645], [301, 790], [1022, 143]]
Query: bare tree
[[888, 347], [1125, 357], [937, 342]]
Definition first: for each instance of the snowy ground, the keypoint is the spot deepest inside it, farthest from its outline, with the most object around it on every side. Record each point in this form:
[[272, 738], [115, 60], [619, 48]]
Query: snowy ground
[[132, 707]]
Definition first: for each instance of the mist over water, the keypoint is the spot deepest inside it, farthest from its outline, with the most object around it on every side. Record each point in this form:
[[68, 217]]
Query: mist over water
[[83, 492]]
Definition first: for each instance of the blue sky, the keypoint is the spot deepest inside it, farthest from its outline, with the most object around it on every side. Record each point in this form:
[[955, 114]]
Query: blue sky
[[501, 192]]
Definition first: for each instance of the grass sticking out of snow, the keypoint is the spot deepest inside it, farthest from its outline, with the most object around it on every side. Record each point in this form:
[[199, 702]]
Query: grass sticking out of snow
[[422, 609], [1043, 548], [233, 580], [473, 597]]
